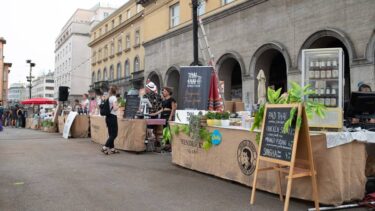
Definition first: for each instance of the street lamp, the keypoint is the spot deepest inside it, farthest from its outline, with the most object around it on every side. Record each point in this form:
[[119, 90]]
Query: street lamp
[[30, 78]]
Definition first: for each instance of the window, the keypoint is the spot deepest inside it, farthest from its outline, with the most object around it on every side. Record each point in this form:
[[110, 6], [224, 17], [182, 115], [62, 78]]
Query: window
[[105, 76], [106, 28], [127, 68], [119, 19], [113, 24], [137, 38], [127, 41], [139, 8], [128, 14], [174, 15], [100, 55], [118, 71], [50, 81], [112, 48], [93, 78], [99, 76], [94, 35], [227, 1], [136, 64], [119, 45], [105, 51], [201, 8], [100, 32], [94, 57], [111, 73], [49, 88]]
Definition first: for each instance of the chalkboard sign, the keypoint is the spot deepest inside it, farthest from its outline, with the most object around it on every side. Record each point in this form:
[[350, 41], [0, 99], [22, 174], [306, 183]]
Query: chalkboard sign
[[194, 87], [275, 143], [131, 106]]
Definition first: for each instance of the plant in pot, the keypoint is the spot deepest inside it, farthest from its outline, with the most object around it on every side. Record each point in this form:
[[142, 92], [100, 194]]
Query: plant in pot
[[210, 118], [121, 105], [225, 122], [217, 121]]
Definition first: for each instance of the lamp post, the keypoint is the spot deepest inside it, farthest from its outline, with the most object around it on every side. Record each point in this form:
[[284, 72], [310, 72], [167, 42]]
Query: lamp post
[[195, 4], [30, 77]]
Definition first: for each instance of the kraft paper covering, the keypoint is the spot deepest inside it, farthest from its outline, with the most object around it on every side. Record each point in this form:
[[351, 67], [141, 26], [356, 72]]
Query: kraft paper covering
[[29, 122], [340, 170], [131, 133], [61, 123], [80, 127]]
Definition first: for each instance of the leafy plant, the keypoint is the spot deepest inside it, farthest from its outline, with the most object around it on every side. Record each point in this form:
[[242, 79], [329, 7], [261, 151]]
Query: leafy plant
[[121, 102], [225, 115], [296, 94], [218, 115], [175, 129], [210, 115], [47, 123], [167, 137]]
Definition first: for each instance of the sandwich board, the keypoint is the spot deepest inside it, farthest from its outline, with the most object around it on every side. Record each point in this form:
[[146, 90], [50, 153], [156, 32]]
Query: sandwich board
[[291, 152]]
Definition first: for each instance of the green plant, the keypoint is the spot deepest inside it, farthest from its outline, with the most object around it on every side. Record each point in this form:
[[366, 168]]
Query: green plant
[[296, 94], [218, 115], [47, 123], [225, 115], [210, 115], [167, 137], [121, 102]]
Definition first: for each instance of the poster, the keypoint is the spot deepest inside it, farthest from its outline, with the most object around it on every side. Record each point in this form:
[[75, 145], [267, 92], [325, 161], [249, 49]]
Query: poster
[[68, 123], [194, 87]]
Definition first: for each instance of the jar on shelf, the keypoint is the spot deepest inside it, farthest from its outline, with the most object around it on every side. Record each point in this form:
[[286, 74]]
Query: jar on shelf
[[323, 69], [327, 101], [333, 102], [317, 70], [312, 70], [329, 69], [335, 69]]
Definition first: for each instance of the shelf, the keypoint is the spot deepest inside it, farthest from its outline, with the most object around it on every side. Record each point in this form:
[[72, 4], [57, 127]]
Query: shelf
[[324, 79], [323, 95]]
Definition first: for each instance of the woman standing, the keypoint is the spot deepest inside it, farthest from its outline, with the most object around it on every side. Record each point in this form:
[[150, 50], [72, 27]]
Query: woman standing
[[111, 121]]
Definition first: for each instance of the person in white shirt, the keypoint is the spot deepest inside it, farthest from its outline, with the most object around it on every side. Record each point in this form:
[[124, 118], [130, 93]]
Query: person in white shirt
[[85, 103], [111, 122]]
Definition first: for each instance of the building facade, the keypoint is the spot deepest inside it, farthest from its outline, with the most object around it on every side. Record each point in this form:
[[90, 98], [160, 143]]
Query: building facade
[[72, 55], [4, 74], [17, 93], [43, 86], [248, 35], [117, 53]]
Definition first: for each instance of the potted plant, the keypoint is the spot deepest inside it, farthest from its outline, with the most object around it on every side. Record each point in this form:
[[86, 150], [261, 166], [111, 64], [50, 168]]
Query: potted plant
[[121, 105], [210, 118], [217, 121], [225, 122]]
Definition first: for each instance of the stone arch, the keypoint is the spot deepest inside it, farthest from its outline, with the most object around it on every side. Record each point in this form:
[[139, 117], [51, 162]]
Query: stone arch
[[156, 78], [273, 58], [171, 79], [370, 50], [231, 70]]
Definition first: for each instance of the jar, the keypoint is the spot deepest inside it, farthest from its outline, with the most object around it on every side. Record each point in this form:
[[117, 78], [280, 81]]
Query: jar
[[321, 101], [328, 73], [321, 91], [323, 74], [327, 101], [333, 102], [328, 91], [333, 91]]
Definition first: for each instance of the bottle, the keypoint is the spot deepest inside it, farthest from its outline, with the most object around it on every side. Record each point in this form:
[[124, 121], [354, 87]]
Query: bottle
[[317, 70], [329, 69], [327, 101], [323, 69], [333, 102], [335, 69], [311, 70], [328, 91]]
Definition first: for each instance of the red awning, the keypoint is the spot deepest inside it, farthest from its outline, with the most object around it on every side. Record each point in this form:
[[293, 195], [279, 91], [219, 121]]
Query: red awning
[[38, 101]]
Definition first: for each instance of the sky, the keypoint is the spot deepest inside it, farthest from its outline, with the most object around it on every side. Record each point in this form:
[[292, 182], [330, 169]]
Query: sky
[[30, 28]]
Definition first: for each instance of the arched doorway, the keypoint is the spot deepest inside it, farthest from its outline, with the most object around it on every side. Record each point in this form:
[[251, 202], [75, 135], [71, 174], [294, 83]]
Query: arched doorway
[[154, 77], [172, 80], [274, 65], [332, 39], [231, 73]]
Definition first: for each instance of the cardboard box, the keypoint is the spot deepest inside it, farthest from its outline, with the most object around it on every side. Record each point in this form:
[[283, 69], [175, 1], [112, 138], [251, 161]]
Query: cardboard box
[[239, 106], [229, 106]]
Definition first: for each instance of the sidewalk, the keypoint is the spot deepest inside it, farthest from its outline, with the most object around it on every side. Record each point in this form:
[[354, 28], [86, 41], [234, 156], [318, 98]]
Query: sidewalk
[[43, 171]]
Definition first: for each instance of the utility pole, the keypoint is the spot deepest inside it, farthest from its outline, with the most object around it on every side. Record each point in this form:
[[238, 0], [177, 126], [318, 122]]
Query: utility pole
[[30, 77], [195, 5]]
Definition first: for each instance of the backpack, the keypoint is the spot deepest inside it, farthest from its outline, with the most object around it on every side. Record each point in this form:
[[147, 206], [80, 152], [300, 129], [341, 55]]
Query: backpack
[[104, 108]]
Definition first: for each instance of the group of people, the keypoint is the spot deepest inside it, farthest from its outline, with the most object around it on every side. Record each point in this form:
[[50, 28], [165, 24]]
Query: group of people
[[162, 106], [13, 117]]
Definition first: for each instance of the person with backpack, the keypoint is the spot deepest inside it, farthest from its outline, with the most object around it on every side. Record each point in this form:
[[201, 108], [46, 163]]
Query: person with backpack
[[108, 108]]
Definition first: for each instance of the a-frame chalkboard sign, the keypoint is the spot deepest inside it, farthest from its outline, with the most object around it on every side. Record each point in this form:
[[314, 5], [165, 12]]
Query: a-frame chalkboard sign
[[290, 152]]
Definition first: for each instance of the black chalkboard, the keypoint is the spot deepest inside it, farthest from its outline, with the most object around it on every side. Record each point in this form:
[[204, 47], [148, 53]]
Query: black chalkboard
[[275, 143], [131, 106], [194, 87]]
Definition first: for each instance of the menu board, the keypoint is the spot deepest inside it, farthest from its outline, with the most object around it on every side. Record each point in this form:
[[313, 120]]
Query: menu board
[[131, 106], [275, 143], [194, 87]]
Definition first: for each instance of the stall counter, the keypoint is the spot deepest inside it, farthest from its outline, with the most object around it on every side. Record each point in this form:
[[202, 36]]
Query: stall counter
[[340, 170], [131, 133]]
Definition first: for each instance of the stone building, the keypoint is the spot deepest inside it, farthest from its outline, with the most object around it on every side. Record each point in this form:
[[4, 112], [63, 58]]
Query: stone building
[[43, 86], [4, 74], [117, 51], [248, 35], [17, 93], [72, 55]]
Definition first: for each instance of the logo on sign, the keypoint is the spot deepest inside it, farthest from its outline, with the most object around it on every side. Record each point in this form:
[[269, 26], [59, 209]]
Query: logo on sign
[[216, 137], [247, 157]]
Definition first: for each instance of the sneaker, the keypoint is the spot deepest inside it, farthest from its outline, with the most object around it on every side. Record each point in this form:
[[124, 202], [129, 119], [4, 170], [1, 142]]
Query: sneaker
[[105, 150], [113, 151]]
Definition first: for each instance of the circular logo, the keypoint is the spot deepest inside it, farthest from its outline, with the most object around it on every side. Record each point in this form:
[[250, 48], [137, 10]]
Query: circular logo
[[247, 157], [216, 137]]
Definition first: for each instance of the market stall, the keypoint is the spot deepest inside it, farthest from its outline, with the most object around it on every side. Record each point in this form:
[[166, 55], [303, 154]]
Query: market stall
[[131, 133], [80, 127], [340, 170]]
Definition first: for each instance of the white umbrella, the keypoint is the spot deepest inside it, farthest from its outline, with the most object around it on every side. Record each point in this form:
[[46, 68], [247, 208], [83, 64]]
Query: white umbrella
[[261, 87]]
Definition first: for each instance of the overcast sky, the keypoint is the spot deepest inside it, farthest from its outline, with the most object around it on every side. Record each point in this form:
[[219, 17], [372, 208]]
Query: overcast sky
[[30, 28]]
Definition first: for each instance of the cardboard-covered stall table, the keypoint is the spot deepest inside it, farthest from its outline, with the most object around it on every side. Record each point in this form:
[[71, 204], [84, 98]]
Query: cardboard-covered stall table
[[80, 127], [131, 133], [61, 123], [340, 170], [29, 122]]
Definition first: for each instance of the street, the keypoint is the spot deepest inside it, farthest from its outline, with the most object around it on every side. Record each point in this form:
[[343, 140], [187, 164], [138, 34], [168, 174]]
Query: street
[[43, 171]]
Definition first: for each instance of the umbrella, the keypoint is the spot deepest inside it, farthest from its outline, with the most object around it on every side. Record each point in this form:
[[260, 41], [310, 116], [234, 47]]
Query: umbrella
[[38, 101], [215, 102], [261, 87]]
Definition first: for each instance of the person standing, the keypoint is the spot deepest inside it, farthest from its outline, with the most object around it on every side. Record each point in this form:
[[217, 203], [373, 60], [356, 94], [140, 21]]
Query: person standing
[[169, 106], [19, 117], [85, 103], [111, 121]]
